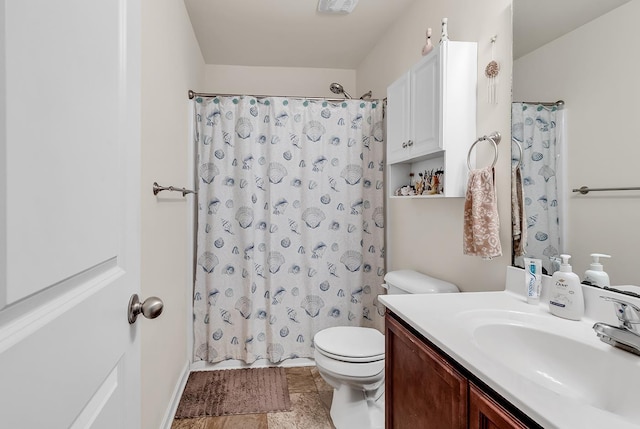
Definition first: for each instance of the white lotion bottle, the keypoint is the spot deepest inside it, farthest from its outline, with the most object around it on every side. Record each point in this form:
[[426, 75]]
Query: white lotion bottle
[[566, 298], [595, 275]]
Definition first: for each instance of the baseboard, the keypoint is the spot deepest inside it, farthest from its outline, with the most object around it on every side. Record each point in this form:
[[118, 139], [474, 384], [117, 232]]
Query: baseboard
[[177, 394]]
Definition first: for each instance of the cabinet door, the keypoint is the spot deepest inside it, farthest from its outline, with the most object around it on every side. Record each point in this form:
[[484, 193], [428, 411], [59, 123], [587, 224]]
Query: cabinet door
[[398, 116], [422, 389], [425, 106], [485, 413]]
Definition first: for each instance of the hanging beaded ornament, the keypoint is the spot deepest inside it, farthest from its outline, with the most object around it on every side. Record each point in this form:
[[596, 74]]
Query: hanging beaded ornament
[[491, 72]]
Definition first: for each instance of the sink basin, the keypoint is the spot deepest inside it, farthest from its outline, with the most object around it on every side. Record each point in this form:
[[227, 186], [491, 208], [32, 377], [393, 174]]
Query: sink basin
[[601, 377], [556, 371]]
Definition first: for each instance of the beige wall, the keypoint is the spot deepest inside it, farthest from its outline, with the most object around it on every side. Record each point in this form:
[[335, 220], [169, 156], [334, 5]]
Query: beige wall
[[426, 235], [308, 82], [597, 78], [171, 64]]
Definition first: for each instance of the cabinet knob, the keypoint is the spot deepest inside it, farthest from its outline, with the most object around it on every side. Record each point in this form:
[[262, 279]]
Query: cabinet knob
[[404, 145], [410, 143]]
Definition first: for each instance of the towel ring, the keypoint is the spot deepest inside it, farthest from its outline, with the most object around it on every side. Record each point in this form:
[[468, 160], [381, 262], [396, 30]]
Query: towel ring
[[494, 138], [520, 151]]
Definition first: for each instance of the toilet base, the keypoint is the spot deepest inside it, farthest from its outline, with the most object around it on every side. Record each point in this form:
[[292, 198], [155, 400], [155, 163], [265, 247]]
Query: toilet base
[[356, 409]]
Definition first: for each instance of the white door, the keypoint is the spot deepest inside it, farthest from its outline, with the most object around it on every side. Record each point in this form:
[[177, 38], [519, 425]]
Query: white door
[[69, 233]]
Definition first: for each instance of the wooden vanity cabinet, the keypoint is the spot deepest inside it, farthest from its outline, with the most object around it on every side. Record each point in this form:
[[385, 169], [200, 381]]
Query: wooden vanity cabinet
[[422, 389], [485, 413], [426, 390]]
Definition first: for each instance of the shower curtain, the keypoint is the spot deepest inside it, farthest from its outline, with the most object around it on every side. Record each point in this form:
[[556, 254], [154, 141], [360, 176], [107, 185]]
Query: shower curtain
[[539, 130], [290, 223]]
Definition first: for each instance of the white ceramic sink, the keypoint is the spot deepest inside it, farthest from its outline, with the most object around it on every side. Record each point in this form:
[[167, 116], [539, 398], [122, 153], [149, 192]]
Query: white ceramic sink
[[555, 370], [587, 373]]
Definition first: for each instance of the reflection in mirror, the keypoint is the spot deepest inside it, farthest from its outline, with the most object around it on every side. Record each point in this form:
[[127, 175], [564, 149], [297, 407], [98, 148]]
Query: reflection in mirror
[[582, 53], [536, 130]]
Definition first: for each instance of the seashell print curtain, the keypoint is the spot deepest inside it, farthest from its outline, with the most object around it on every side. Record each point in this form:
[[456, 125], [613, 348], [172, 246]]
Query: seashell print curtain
[[539, 130], [290, 224]]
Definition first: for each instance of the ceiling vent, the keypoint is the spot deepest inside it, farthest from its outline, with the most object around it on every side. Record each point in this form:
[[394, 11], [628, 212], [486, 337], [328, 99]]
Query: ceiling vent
[[337, 6]]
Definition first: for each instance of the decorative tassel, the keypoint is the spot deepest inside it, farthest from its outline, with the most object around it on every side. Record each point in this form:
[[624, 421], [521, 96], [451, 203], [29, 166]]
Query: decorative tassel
[[491, 72], [444, 36]]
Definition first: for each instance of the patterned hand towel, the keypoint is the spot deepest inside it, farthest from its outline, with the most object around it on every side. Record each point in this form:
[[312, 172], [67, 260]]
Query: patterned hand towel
[[481, 223], [518, 227]]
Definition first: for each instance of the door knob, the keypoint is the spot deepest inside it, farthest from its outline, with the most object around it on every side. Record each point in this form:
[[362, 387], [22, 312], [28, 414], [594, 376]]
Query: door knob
[[150, 308], [410, 143]]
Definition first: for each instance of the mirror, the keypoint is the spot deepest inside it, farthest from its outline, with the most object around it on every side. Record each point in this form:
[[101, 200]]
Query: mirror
[[582, 52]]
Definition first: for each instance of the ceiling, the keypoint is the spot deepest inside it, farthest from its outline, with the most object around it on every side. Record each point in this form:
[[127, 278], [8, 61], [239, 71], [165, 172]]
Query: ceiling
[[536, 23], [289, 33]]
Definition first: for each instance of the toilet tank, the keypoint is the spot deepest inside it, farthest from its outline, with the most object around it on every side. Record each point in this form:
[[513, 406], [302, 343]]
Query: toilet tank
[[409, 281]]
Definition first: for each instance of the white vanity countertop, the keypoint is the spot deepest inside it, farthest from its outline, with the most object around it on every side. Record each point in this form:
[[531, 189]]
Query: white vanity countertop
[[449, 320]]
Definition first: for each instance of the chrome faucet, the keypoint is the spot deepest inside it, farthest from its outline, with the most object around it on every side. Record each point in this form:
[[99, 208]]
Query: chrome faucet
[[626, 336]]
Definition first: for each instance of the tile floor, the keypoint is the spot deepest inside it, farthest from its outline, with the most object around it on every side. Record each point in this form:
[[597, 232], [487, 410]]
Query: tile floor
[[310, 404]]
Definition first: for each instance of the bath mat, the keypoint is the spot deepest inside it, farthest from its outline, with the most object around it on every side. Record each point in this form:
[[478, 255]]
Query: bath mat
[[234, 391]]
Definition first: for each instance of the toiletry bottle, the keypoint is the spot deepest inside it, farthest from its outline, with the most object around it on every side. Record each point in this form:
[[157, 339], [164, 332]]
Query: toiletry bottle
[[566, 292], [533, 279], [595, 275]]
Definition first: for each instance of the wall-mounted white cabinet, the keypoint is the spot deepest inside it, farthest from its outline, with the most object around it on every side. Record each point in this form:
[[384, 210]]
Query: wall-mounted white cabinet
[[431, 117], [413, 105]]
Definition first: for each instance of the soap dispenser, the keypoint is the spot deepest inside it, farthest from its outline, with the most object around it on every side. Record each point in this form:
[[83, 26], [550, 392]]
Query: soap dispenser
[[595, 275], [566, 298]]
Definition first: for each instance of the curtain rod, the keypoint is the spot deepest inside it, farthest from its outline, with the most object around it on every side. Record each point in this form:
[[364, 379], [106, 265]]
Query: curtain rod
[[193, 94], [544, 103]]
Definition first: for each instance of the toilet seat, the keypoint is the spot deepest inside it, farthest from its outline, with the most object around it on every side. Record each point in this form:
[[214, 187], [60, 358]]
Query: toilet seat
[[350, 344], [361, 372]]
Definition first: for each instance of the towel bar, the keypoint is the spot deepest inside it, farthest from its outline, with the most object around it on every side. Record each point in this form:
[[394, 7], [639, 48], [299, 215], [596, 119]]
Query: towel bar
[[585, 189], [494, 138], [520, 151], [157, 188]]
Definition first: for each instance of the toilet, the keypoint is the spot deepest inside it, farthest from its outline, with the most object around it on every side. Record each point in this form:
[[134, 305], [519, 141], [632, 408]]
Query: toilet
[[351, 359]]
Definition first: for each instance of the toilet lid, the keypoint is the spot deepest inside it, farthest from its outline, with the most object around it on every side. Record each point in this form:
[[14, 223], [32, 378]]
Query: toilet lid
[[351, 343]]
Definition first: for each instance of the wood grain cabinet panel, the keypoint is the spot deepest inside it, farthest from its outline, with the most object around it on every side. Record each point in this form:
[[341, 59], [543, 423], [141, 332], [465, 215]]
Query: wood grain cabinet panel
[[422, 389], [485, 413], [426, 389]]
